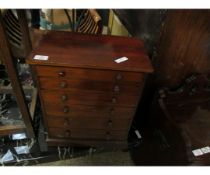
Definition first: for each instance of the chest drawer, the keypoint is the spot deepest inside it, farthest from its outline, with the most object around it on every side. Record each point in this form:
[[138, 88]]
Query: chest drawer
[[89, 98], [90, 74], [79, 111], [87, 134], [88, 123], [86, 97], [130, 88]]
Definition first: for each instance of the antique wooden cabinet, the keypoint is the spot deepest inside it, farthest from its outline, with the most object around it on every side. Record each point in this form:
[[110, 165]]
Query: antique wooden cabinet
[[87, 97]]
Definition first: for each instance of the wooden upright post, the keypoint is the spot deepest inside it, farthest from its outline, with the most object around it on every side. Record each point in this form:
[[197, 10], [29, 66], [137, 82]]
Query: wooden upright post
[[13, 75]]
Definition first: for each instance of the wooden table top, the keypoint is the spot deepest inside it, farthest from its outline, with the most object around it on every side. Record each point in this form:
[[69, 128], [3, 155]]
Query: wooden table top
[[91, 51]]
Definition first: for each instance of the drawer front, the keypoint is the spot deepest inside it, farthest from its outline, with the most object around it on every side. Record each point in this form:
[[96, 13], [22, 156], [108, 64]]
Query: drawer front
[[88, 104], [130, 88], [79, 111], [90, 74], [88, 123], [87, 134], [88, 98]]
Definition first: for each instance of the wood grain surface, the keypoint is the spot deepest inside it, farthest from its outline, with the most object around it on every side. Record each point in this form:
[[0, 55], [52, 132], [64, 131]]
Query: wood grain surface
[[91, 51]]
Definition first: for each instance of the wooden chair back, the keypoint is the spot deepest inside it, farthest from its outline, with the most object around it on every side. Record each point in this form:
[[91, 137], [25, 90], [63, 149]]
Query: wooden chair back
[[90, 23], [15, 34]]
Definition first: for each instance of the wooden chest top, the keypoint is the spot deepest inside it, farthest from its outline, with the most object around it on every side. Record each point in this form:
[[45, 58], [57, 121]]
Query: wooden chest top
[[91, 51]]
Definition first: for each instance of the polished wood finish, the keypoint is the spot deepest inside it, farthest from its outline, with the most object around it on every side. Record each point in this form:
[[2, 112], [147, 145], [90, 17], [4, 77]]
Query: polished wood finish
[[87, 142], [76, 73], [88, 111], [183, 47], [87, 134], [13, 75], [183, 115], [92, 51], [86, 97], [178, 40], [93, 123], [99, 86], [83, 111]]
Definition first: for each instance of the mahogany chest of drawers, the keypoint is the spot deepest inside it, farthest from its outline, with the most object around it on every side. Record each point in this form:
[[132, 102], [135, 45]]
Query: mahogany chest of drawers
[[87, 97]]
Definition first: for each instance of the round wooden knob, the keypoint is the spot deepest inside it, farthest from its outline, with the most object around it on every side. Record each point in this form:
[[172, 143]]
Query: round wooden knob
[[64, 97], [119, 76], [110, 123], [66, 122], [63, 84], [66, 109], [61, 74], [114, 100], [116, 88], [111, 110], [67, 133], [107, 135]]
